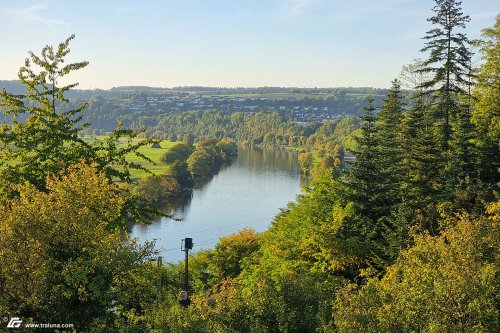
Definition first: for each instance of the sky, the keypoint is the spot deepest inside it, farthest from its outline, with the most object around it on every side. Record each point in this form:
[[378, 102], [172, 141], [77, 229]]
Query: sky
[[227, 43]]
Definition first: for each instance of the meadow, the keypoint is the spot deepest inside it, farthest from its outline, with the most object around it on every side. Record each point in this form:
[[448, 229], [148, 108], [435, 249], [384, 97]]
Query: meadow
[[155, 154]]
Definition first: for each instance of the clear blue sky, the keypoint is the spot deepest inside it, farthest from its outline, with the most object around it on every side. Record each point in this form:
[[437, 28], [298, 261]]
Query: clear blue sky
[[165, 43]]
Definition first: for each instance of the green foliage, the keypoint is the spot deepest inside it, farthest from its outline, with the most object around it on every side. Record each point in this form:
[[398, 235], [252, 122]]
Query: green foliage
[[365, 175], [210, 155], [446, 283], [230, 251], [63, 259], [305, 162], [422, 183], [188, 139], [389, 128], [202, 163], [449, 62], [179, 152], [227, 150], [172, 137], [41, 137], [486, 113], [180, 172], [158, 190]]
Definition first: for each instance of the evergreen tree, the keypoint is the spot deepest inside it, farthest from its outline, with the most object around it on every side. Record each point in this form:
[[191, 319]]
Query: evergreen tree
[[461, 172], [421, 184], [388, 127], [448, 62], [361, 227], [364, 175]]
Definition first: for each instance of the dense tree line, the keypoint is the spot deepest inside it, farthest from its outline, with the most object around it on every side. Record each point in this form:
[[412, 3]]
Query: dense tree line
[[268, 129], [185, 164]]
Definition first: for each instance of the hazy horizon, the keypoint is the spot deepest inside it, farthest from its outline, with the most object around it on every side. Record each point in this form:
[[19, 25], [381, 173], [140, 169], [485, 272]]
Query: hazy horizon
[[79, 87], [277, 43]]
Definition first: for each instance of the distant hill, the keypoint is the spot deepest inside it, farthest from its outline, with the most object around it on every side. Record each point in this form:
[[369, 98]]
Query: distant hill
[[146, 105], [13, 86]]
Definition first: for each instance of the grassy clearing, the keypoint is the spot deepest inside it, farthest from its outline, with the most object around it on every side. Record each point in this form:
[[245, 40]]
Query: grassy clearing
[[314, 152], [153, 153]]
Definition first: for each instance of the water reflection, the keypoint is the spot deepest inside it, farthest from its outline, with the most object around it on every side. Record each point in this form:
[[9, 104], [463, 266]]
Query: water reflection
[[248, 193]]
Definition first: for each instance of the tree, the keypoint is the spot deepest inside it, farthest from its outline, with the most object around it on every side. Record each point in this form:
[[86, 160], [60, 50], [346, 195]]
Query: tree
[[188, 138], [306, 162], [388, 134], [364, 176], [178, 152], [227, 149], [158, 189], [449, 61], [422, 182], [230, 252], [338, 152], [461, 170], [42, 136], [202, 163], [63, 255], [172, 137], [180, 172]]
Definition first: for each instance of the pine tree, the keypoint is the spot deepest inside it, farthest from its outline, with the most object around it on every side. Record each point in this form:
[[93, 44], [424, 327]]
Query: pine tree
[[364, 175], [461, 172], [448, 62], [390, 151], [422, 181]]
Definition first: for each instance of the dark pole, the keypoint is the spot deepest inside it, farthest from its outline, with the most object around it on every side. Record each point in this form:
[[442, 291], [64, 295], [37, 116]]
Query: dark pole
[[160, 287], [188, 245], [186, 270]]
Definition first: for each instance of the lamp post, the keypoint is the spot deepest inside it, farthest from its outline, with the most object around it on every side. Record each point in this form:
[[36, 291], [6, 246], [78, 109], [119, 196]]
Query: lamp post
[[186, 245]]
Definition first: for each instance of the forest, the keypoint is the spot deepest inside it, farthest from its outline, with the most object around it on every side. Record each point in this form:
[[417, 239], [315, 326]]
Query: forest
[[404, 239]]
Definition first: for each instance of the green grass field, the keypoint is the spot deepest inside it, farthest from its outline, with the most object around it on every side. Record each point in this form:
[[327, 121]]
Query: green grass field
[[314, 152], [153, 153]]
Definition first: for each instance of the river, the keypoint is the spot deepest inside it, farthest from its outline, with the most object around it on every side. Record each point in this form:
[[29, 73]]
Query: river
[[246, 194]]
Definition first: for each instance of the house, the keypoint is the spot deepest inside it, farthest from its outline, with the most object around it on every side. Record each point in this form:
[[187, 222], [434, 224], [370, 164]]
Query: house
[[349, 158]]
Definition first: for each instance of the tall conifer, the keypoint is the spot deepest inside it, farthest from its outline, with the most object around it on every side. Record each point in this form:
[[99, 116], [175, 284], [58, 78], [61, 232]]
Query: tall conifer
[[363, 176], [390, 151], [448, 62]]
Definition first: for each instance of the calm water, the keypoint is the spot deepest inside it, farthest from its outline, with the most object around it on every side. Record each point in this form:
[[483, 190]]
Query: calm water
[[248, 193]]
